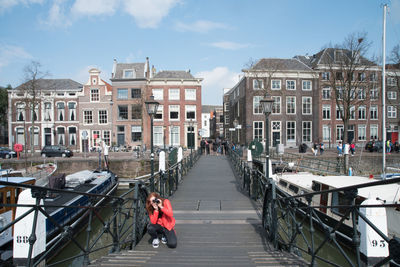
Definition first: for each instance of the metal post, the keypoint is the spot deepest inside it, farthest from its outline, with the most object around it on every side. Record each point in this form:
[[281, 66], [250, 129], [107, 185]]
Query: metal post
[[151, 155], [267, 145], [384, 95]]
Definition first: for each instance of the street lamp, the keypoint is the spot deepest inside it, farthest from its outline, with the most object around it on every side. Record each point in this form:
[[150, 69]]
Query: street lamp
[[266, 105], [151, 107]]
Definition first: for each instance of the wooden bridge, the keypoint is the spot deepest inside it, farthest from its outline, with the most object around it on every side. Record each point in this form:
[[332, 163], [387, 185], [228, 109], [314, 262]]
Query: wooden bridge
[[216, 225]]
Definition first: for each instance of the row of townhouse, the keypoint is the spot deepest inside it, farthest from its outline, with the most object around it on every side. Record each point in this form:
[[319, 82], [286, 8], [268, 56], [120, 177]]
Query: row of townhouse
[[305, 108], [62, 111]]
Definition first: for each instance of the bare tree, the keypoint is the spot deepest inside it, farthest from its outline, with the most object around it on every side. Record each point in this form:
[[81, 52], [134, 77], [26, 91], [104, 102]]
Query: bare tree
[[350, 76], [32, 92]]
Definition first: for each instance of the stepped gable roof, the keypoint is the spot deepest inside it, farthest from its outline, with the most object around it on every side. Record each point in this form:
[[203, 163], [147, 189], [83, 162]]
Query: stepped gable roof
[[280, 64], [209, 108], [326, 57], [138, 67], [53, 85], [173, 74]]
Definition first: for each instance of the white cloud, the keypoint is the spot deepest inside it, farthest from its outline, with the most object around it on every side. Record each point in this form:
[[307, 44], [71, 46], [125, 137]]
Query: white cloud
[[148, 13], [201, 26], [57, 15], [229, 45], [95, 7], [214, 82], [10, 53]]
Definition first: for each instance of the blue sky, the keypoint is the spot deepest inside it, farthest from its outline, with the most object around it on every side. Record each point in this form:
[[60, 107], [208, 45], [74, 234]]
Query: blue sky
[[213, 38]]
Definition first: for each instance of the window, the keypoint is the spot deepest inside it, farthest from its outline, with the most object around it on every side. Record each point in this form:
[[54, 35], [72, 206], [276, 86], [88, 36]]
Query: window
[[391, 81], [352, 93], [34, 113], [95, 136], [291, 105], [307, 86], [374, 132], [136, 133], [276, 108], [361, 77], [326, 76], [326, 93], [61, 136], [291, 131], [94, 95], [136, 93], [258, 127], [362, 113], [352, 113], [326, 112], [373, 77], [158, 94], [174, 112], [106, 137], [47, 111], [339, 92], [258, 84], [339, 110], [361, 94], [72, 136], [339, 132], [87, 117], [60, 111], [190, 94], [392, 112], [20, 136], [103, 118], [190, 111], [306, 131], [174, 135], [276, 85], [122, 112], [392, 95], [257, 108], [339, 76], [158, 135], [136, 111], [290, 85], [374, 94], [35, 135], [306, 105], [173, 94], [326, 133], [122, 93], [362, 133], [374, 112], [276, 126], [129, 74], [159, 113], [72, 111]]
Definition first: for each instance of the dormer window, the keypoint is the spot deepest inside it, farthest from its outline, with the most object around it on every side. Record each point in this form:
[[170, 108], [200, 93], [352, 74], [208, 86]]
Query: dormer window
[[339, 55], [94, 81], [129, 74]]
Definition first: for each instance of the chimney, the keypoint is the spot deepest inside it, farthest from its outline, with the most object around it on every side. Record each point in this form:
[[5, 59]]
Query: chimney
[[114, 69], [147, 68]]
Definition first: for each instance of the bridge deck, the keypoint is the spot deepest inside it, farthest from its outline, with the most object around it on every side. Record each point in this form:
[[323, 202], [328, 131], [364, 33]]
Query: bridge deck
[[216, 225]]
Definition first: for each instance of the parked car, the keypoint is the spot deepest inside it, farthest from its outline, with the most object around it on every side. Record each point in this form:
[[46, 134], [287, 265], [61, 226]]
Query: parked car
[[374, 146], [7, 153], [56, 151]]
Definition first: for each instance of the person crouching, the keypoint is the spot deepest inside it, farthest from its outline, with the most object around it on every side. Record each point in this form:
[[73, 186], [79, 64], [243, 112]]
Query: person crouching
[[162, 221]]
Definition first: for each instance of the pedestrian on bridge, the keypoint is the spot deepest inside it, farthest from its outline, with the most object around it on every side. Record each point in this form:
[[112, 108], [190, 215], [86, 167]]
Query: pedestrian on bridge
[[162, 221]]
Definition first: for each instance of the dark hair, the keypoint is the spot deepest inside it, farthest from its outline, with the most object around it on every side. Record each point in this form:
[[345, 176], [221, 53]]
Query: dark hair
[[149, 206]]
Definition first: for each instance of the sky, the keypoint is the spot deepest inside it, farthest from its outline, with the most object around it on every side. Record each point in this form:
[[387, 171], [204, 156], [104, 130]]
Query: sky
[[214, 39]]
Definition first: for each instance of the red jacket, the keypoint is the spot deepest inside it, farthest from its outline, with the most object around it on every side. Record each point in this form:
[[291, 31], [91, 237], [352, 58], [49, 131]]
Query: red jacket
[[167, 219]]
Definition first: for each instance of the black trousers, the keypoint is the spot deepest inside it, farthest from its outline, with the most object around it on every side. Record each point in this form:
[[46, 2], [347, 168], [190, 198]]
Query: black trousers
[[155, 230]]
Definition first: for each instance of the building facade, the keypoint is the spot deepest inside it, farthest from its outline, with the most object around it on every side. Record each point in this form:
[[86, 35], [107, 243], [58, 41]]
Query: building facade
[[44, 112], [178, 118], [95, 112]]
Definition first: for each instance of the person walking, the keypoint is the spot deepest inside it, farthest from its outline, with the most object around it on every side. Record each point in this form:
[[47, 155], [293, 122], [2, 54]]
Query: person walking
[[352, 148], [162, 221], [203, 146], [321, 148], [315, 149], [105, 152], [339, 148]]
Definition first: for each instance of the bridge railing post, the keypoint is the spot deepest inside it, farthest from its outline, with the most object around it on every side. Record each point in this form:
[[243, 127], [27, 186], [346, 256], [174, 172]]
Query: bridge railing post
[[86, 260], [135, 213]]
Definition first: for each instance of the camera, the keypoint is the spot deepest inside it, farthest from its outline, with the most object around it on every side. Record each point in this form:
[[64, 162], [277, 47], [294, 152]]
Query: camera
[[156, 201]]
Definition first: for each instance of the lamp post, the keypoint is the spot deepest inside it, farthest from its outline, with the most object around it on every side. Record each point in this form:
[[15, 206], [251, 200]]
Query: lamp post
[[191, 125], [151, 107], [235, 124], [266, 105]]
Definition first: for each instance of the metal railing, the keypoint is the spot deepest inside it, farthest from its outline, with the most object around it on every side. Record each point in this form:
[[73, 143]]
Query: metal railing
[[124, 228], [290, 221]]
